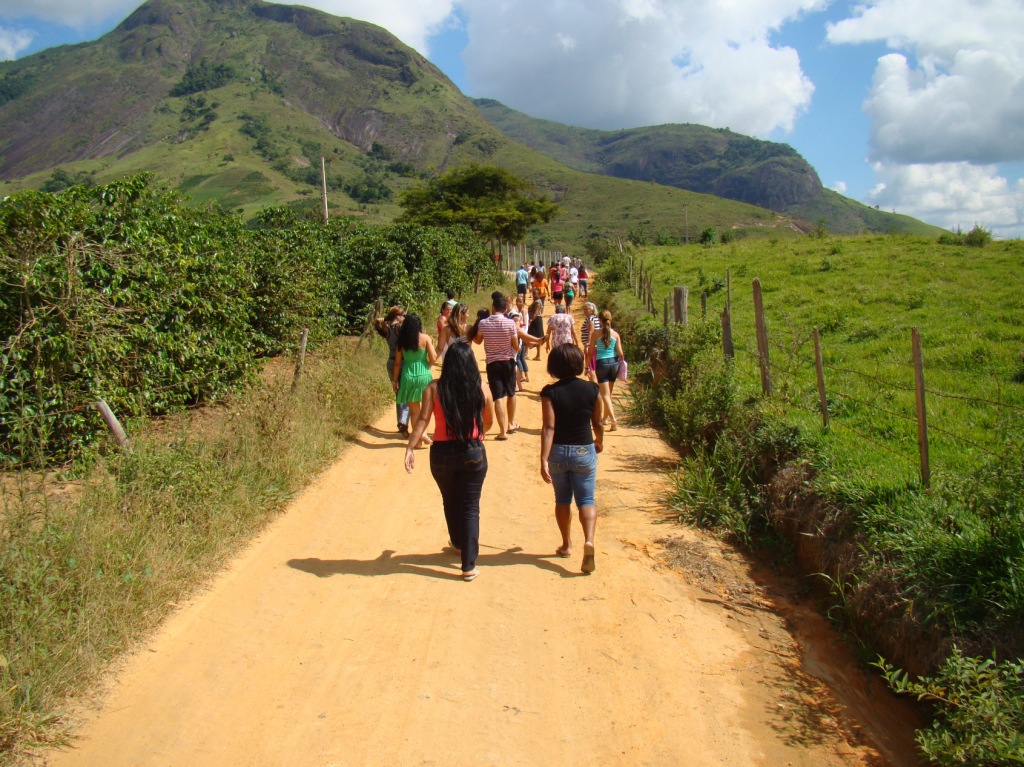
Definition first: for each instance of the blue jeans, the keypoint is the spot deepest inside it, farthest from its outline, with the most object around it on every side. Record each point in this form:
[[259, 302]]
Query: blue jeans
[[401, 408], [459, 469], [573, 470]]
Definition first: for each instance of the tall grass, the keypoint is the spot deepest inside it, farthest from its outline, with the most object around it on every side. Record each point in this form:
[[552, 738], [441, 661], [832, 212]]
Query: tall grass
[[920, 575], [88, 566]]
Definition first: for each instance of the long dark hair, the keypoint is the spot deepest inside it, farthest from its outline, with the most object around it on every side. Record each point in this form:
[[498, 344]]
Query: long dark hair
[[606, 326], [481, 314], [409, 335], [460, 393]]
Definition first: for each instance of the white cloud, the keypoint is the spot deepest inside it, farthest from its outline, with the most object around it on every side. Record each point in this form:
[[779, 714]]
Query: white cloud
[[962, 98], [71, 13], [639, 62], [839, 186], [411, 22], [952, 195], [13, 42]]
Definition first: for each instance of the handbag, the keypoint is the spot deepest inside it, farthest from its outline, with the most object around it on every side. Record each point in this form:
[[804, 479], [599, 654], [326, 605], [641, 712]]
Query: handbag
[[623, 370]]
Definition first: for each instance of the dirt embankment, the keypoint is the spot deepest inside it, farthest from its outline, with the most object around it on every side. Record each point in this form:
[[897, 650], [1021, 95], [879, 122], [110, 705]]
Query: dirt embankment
[[345, 636]]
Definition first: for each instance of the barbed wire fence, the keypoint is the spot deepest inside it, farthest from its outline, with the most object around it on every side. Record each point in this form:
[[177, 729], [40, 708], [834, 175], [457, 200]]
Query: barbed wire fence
[[832, 400]]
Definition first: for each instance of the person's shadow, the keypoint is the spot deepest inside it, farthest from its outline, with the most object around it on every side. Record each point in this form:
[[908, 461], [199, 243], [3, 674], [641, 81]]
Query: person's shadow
[[444, 565]]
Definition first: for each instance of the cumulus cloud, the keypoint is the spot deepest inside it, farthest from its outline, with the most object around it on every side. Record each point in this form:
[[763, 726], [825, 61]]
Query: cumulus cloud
[[13, 42], [952, 195], [411, 22], [72, 13], [622, 63], [954, 90]]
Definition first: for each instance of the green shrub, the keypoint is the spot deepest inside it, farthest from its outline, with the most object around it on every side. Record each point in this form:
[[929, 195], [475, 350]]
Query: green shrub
[[980, 708], [708, 236], [126, 293], [202, 77]]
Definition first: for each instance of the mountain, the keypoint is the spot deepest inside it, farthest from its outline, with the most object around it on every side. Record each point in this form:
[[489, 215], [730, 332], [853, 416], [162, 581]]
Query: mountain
[[236, 102], [700, 159]]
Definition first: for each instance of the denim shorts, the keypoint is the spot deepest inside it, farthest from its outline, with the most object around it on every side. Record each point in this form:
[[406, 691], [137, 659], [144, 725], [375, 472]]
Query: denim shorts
[[573, 470]]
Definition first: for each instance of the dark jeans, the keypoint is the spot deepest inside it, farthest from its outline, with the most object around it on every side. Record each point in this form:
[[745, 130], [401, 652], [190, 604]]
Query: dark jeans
[[459, 469]]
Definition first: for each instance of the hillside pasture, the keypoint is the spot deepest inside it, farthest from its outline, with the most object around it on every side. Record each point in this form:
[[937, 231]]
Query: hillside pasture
[[865, 295]]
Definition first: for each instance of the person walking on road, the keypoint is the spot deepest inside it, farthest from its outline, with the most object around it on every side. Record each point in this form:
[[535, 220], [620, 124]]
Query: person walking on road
[[456, 328], [590, 325], [606, 348], [500, 338], [522, 281], [463, 411], [536, 326], [561, 328], [388, 328], [413, 358], [540, 287], [584, 277], [571, 438]]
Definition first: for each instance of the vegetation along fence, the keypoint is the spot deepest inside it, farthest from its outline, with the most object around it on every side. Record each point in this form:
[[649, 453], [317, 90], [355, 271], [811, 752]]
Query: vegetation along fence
[[899, 417]]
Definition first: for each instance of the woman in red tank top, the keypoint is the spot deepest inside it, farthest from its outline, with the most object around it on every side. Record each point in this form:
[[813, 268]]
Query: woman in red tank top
[[463, 411]]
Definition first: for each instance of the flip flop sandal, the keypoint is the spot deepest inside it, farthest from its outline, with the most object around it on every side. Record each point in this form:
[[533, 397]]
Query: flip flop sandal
[[470, 575], [588, 558]]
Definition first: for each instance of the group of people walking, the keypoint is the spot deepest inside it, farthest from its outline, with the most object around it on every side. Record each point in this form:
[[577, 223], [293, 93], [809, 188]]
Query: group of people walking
[[576, 409]]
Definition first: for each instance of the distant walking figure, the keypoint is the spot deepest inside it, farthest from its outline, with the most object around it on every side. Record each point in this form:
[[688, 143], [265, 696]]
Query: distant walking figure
[[388, 328], [463, 410], [500, 337], [571, 438], [606, 348], [413, 358]]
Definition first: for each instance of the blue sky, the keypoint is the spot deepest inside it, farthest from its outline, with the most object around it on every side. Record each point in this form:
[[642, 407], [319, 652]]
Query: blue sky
[[915, 106]]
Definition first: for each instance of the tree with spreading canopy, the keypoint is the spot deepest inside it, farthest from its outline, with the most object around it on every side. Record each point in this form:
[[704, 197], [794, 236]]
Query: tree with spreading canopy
[[491, 201]]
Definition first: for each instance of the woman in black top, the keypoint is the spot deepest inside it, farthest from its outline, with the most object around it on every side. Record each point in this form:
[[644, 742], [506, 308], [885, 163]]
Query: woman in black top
[[571, 438]]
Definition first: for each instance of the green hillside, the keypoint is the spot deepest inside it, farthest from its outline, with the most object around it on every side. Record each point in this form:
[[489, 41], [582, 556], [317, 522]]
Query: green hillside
[[707, 160], [235, 101]]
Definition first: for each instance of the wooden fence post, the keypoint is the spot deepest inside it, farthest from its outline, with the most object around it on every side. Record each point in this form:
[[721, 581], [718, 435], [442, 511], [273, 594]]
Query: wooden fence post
[[677, 304], [300, 360], [113, 424], [762, 340], [820, 370], [727, 347], [666, 312], [686, 306], [922, 414], [704, 305]]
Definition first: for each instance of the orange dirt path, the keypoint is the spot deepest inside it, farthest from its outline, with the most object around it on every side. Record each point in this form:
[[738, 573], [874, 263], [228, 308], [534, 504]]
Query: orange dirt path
[[344, 636]]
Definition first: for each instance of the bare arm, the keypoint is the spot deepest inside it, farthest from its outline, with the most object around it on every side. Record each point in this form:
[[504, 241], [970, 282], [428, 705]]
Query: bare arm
[[429, 346], [597, 426], [422, 421], [398, 368], [488, 407], [547, 437]]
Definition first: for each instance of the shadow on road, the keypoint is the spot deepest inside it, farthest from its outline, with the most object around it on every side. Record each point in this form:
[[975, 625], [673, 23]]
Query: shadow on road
[[444, 565]]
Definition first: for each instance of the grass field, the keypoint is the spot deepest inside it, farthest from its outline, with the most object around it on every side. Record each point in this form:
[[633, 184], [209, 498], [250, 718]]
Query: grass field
[[865, 295], [932, 579]]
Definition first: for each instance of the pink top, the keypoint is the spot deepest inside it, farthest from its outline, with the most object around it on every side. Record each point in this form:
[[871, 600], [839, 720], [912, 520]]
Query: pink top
[[441, 425]]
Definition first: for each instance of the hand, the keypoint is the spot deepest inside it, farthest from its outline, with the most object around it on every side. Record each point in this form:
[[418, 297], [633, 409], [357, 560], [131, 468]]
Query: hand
[[394, 385], [598, 444], [410, 460]]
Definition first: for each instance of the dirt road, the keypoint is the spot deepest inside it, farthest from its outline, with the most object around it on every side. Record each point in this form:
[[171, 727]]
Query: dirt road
[[344, 636]]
